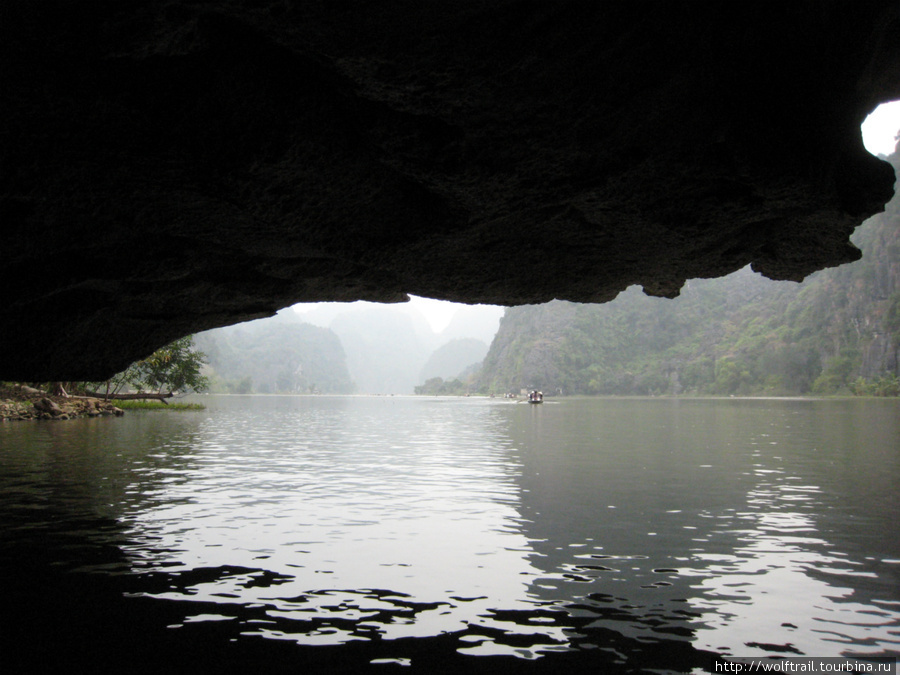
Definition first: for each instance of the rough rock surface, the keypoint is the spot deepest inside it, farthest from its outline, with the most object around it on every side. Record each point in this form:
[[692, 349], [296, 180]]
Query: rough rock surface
[[168, 167], [17, 403]]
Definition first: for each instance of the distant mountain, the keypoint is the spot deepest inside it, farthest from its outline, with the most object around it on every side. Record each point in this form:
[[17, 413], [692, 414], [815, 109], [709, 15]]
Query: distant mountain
[[838, 331], [388, 345], [386, 348], [276, 355], [453, 358]]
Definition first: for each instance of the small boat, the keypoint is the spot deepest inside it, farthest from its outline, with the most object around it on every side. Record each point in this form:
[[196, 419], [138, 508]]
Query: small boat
[[536, 397]]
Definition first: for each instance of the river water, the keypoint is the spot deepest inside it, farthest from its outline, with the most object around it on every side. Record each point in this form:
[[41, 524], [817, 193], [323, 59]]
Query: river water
[[402, 534]]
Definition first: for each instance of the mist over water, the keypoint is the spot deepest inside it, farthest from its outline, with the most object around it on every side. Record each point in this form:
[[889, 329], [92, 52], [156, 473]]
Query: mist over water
[[357, 533]]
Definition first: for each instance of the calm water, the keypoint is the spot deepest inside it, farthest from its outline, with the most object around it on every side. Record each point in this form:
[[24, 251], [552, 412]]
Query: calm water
[[316, 534]]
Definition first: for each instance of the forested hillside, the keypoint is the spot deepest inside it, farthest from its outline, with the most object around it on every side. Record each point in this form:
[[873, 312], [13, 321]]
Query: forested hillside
[[838, 331], [277, 355]]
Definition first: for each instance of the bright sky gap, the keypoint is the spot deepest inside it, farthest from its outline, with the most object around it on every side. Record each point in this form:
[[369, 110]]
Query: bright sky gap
[[881, 128]]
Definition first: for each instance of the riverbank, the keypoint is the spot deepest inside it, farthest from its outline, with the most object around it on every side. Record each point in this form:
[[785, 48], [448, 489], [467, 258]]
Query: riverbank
[[24, 403], [157, 405]]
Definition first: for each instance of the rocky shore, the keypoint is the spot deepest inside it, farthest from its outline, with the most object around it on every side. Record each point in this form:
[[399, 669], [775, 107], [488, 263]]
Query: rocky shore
[[25, 403]]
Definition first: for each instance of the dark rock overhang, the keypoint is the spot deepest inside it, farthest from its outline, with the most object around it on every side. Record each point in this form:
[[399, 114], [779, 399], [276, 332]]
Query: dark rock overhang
[[169, 167]]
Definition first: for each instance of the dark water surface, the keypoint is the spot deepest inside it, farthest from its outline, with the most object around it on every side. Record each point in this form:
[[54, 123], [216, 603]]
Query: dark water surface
[[353, 534]]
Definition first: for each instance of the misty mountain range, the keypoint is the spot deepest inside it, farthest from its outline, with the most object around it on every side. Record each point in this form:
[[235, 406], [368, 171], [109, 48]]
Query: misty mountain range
[[340, 348]]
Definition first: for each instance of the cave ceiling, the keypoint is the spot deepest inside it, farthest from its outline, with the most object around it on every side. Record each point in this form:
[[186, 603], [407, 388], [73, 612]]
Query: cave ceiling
[[168, 167]]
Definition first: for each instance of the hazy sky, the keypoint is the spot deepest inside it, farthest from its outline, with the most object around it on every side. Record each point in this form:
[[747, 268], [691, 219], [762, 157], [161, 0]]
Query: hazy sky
[[438, 313]]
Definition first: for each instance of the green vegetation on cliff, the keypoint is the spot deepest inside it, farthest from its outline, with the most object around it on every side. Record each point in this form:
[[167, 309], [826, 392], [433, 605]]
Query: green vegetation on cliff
[[278, 355], [437, 386], [837, 332]]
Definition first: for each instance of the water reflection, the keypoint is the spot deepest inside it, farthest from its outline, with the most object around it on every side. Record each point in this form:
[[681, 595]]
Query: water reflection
[[701, 520], [370, 521], [780, 569], [440, 534]]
